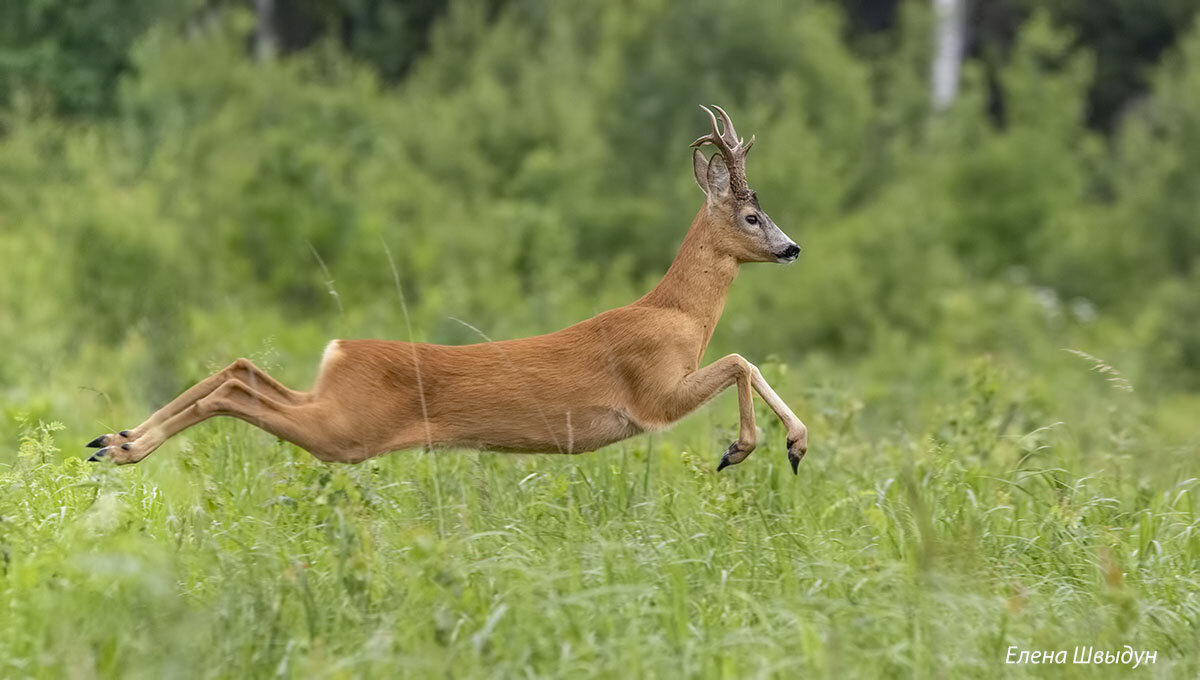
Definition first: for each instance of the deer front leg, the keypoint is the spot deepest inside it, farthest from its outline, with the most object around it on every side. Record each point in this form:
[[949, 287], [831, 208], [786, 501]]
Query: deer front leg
[[702, 385], [699, 387], [747, 436], [797, 432]]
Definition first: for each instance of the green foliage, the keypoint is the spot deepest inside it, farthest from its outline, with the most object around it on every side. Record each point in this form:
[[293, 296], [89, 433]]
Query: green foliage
[[971, 485], [1127, 36], [64, 56]]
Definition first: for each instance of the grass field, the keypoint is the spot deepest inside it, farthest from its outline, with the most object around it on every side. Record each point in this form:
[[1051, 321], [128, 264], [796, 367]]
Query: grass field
[[176, 192], [910, 550]]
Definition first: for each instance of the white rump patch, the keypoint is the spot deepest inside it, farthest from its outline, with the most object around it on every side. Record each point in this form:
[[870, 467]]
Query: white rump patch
[[332, 351]]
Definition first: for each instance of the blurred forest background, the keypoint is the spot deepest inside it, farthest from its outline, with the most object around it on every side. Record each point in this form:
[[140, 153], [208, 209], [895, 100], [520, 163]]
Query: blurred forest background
[[185, 182], [993, 334]]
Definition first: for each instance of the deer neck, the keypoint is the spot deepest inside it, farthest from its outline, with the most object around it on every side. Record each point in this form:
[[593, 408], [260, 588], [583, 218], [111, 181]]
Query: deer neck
[[698, 280]]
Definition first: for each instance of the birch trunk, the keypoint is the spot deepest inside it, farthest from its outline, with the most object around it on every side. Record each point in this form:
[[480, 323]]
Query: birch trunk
[[949, 45]]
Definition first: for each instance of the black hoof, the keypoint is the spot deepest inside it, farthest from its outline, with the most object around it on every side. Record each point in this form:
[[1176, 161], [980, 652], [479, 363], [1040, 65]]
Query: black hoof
[[795, 461], [794, 456], [99, 455], [725, 462], [97, 442]]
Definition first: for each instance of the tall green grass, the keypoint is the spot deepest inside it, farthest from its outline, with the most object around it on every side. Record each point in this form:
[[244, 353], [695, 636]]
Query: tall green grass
[[923, 551]]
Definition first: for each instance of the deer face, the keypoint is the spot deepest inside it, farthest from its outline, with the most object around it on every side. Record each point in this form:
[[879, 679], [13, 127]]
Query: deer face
[[759, 238], [742, 228]]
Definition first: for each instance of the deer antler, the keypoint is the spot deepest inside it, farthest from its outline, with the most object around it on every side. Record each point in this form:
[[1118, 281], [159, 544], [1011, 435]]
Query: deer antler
[[732, 149]]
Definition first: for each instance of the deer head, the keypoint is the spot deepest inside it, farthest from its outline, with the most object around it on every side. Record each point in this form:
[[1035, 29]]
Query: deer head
[[742, 228]]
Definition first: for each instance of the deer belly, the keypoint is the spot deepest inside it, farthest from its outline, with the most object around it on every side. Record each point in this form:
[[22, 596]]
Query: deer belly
[[548, 430]]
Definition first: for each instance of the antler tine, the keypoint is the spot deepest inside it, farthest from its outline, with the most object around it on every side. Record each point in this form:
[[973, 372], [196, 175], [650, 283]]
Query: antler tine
[[733, 140], [732, 148], [712, 137]]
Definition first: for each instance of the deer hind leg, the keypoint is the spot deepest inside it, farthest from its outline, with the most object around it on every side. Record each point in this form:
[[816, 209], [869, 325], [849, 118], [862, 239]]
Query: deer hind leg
[[242, 369], [303, 424]]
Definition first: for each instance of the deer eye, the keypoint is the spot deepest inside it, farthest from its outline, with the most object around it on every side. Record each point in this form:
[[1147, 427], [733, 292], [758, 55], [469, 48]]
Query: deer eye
[[752, 219]]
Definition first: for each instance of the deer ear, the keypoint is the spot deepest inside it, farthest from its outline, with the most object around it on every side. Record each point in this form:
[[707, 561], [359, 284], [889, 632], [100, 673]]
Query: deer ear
[[718, 178], [700, 169]]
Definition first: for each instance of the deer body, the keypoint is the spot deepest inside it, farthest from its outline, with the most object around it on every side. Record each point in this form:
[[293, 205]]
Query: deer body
[[618, 374]]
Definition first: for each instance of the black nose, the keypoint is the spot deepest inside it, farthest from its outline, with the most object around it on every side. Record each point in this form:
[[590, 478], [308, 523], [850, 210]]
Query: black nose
[[790, 252]]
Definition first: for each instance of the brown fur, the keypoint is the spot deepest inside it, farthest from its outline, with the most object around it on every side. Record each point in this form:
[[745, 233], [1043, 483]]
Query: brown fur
[[615, 375]]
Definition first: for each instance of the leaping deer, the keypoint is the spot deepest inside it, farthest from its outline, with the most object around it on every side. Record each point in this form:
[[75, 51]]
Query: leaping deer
[[620, 373]]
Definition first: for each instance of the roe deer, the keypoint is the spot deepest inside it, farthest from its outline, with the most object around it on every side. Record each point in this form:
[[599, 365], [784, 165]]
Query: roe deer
[[620, 373]]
